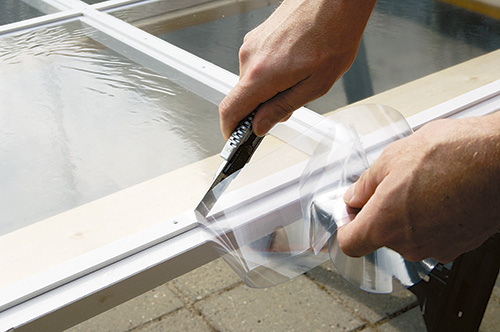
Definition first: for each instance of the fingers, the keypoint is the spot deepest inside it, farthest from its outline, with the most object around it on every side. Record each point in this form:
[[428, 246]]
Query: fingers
[[361, 236], [358, 194], [357, 238], [240, 102], [276, 108], [281, 106], [271, 108]]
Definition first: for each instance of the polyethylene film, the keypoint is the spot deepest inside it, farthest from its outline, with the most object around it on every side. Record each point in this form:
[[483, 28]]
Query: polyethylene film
[[278, 218], [338, 161]]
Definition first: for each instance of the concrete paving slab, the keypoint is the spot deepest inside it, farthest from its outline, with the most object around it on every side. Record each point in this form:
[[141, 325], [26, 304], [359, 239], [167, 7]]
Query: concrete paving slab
[[136, 312], [182, 320], [491, 319], [496, 288], [372, 307], [297, 305], [212, 298], [410, 321], [208, 279]]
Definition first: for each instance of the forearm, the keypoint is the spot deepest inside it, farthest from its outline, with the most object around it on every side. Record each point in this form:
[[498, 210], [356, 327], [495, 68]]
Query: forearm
[[485, 151]]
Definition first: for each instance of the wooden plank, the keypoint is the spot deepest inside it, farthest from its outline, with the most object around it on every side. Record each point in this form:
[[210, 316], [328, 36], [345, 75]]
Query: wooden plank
[[486, 7], [436, 88]]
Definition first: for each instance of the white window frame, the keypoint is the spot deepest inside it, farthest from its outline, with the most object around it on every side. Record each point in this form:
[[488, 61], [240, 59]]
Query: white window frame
[[101, 279]]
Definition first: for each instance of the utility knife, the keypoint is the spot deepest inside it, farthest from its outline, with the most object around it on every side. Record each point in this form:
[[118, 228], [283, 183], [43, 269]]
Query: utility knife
[[236, 153]]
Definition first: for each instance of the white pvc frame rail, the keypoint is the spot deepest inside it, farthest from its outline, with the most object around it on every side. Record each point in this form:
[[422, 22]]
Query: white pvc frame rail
[[74, 291]]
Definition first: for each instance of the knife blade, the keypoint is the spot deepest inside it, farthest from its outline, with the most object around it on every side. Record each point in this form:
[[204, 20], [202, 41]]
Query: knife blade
[[236, 153]]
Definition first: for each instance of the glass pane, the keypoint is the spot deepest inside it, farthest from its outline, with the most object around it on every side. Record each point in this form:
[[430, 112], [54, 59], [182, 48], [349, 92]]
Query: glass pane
[[213, 32], [403, 41], [153, 10], [219, 41], [79, 121], [16, 10], [406, 40]]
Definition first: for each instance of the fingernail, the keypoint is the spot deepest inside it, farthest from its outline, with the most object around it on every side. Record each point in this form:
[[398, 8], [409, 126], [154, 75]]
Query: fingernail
[[262, 127], [349, 194]]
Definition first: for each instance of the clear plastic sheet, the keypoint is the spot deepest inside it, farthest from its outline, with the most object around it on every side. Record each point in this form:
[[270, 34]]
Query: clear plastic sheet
[[361, 134], [278, 218], [257, 223]]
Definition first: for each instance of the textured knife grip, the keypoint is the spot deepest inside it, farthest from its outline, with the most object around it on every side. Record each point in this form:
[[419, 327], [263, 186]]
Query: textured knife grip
[[240, 134]]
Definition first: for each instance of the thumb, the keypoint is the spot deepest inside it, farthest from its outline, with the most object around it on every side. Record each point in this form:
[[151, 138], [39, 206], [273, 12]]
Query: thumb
[[360, 192], [356, 238]]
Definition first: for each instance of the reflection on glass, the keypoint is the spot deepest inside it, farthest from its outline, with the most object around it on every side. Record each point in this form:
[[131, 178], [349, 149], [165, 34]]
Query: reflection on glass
[[219, 41], [212, 33], [403, 41], [79, 122], [16, 10], [153, 11]]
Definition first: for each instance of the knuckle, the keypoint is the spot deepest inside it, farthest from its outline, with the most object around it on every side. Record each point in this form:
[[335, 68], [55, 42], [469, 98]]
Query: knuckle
[[364, 181], [247, 51], [244, 53], [227, 114], [257, 71], [347, 248], [282, 111], [224, 108], [248, 36]]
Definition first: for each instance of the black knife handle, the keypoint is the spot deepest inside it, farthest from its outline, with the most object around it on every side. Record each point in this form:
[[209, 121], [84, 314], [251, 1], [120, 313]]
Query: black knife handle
[[240, 135], [241, 145]]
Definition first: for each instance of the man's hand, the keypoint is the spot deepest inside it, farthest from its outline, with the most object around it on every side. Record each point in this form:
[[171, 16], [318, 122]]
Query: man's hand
[[435, 193], [294, 57]]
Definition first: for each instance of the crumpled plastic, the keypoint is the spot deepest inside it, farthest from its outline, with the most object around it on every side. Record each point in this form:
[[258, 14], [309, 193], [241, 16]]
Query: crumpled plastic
[[278, 219]]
